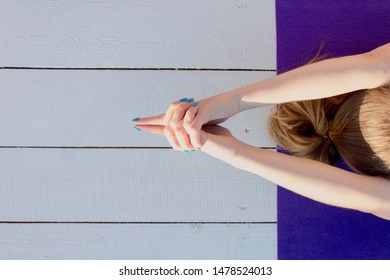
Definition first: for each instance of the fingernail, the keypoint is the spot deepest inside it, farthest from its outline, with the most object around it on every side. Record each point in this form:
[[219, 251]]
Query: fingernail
[[192, 151], [187, 152], [135, 119], [198, 148], [190, 100], [137, 128], [183, 99], [195, 104]]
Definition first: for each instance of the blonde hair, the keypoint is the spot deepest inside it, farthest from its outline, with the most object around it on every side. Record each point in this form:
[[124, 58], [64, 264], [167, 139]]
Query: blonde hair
[[355, 126]]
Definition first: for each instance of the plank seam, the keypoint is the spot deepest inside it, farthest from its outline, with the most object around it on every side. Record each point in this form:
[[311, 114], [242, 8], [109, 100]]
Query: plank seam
[[99, 147], [133, 69], [141, 223]]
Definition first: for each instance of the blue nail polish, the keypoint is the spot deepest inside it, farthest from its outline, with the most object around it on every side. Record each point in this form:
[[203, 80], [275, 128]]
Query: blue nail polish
[[183, 99], [190, 100], [195, 104], [135, 119], [187, 152], [137, 128], [198, 148]]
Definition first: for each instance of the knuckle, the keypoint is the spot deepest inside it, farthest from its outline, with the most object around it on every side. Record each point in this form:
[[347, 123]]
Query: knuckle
[[172, 106], [192, 126], [190, 113], [189, 128], [180, 110], [166, 130], [173, 124], [186, 128], [176, 116], [178, 129]]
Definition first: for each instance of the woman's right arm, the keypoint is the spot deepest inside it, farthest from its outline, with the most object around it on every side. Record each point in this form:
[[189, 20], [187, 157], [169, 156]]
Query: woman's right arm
[[323, 79], [318, 80]]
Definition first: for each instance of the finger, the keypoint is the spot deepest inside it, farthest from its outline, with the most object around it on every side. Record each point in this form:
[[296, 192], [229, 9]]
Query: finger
[[193, 127], [169, 112], [154, 129], [191, 112], [171, 137], [180, 112], [155, 120], [183, 138], [172, 108]]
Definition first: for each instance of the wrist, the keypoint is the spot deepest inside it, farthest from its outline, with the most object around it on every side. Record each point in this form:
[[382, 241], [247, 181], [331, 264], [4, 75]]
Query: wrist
[[225, 148], [243, 97], [235, 99]]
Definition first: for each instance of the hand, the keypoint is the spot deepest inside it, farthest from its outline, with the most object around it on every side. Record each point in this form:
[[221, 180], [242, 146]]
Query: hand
[[217, 140], [178, 138], [185, 118]]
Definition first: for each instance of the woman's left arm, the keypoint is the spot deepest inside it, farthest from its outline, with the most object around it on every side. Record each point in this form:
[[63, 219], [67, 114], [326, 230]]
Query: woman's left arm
[[309, 178], [312, 179]]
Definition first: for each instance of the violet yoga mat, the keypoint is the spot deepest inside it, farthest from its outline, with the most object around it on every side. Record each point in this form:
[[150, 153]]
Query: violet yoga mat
[[308, 229]]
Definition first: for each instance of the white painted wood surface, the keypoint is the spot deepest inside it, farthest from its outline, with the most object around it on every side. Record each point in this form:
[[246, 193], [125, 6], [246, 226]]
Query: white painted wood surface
[[134, 185], [138, 33], [124, 191], [95, 108], [138, 241]]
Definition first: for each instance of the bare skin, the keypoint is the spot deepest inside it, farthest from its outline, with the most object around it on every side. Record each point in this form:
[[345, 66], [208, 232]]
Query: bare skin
[[188, 125]]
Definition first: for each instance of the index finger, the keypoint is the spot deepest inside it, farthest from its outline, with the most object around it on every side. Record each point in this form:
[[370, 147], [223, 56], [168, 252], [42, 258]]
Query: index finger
[[155, 120]]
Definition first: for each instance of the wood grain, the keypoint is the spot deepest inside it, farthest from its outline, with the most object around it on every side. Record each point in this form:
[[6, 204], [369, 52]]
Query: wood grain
[[118, 185], [138, 241], [139, 33], [76, 181], [95, 108]]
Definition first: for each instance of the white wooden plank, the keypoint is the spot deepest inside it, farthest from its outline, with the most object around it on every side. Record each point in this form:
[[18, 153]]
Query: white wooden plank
[[95, 108], [128, 185], [137, 241], [139, 33]]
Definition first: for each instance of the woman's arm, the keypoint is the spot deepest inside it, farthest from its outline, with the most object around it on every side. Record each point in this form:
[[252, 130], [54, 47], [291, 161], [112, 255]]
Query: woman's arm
[[309, 178], [315, 180], [320, 80]]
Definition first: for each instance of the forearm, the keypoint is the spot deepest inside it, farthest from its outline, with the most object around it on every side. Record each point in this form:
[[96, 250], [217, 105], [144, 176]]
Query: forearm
[[320, 182], [318, 80], [306, 177]]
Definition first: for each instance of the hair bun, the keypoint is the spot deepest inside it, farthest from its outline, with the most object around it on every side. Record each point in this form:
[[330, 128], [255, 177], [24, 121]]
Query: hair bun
[[305, 129], [354, 126]]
